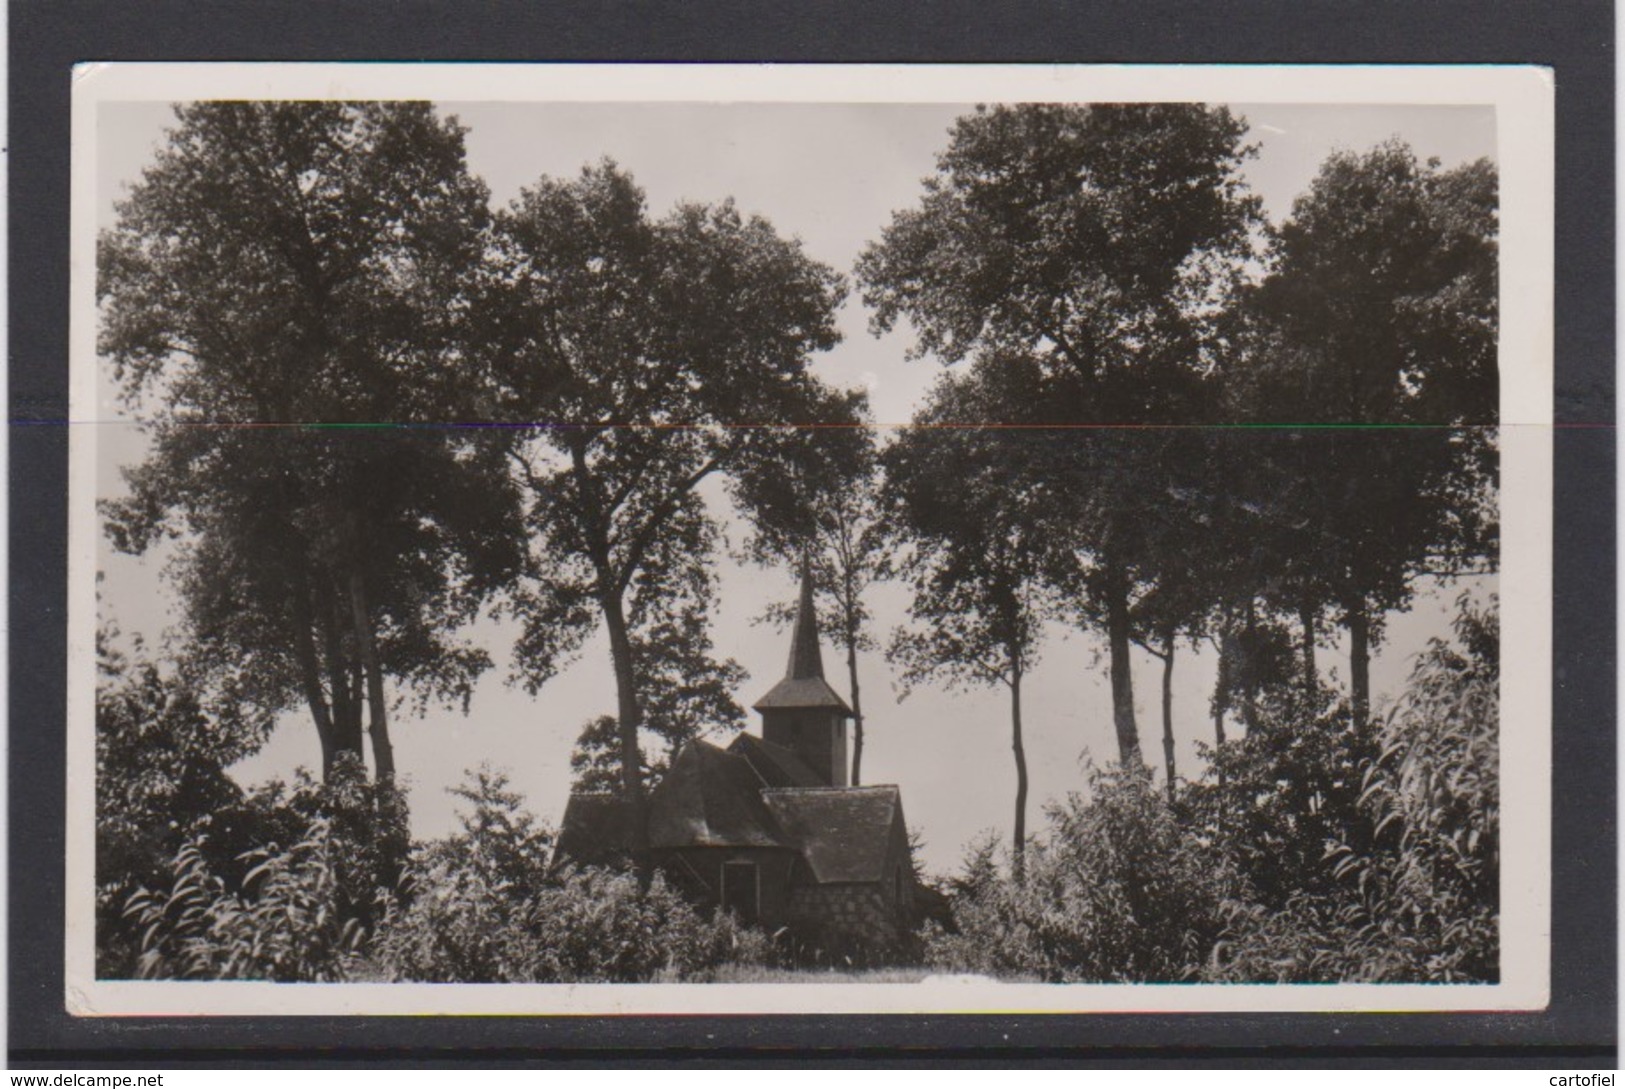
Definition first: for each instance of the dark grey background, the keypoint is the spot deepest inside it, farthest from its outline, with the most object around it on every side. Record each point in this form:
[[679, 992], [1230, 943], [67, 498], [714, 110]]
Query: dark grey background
[[1575, 37]]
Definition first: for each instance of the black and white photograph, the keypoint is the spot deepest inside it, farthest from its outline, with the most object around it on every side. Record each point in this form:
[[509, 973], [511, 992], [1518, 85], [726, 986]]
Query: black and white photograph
[[742, 540]]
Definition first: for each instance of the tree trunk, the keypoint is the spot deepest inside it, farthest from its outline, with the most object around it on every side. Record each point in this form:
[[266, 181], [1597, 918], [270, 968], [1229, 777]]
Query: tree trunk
[[857, 707], [383, 753], [1359, 622], [1311, 676], [1168, 708], [1221, 698], [629, 717], [346, 716], [358, 696], [310, 678], [1249, 669], [1019, 845], [1118, 634]]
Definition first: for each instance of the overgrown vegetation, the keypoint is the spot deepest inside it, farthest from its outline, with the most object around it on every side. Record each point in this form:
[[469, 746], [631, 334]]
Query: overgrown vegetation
[[481, 906], [1376, 859], [282, 922], [1115, 891], [1326, 854]]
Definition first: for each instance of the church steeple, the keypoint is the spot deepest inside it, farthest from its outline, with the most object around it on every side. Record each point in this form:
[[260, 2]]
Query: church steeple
[[806, 661], [802, 712]]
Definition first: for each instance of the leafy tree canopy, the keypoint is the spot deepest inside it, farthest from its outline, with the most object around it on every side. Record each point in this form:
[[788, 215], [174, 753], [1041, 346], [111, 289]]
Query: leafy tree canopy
[[294, 265], [648, 355], [1097, 240]]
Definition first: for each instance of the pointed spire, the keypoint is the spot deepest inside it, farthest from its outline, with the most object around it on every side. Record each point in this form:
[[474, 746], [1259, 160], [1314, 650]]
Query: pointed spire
[[806, 662], [803, 686]]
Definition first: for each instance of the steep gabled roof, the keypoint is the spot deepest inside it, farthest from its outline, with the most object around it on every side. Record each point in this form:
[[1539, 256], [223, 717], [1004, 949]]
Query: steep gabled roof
[[776, 765], [710, 798], [597, 828], [845, 833]]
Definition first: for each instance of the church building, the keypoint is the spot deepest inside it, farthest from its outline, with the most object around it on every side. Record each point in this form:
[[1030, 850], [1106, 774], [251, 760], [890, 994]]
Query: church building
[[768, 827]]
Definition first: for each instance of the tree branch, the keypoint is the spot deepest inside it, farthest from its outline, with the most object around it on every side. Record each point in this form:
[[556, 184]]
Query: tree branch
[[652, 524]]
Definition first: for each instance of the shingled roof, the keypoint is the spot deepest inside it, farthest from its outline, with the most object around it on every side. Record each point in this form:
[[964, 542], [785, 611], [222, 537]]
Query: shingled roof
[[731, 798], [597, 828], [710, 798], [843, 832], [776, 765]]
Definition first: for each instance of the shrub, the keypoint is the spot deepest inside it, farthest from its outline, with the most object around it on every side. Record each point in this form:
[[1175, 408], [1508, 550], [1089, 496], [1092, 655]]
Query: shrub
[[1277, 799], [460, 912], [1418, 899], [482, 906], [1432, 887], [456, 925], [169, 814], [1116, 890], [585, 926], [160, 769], [366, 822], [602, 926], [285, 926]]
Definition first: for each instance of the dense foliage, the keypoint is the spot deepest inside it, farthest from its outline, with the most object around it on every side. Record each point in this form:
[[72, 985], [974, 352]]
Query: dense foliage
[[304, 269], [283, 923], [481, 906], [582, 926], [1324, 855], [1115, 891]]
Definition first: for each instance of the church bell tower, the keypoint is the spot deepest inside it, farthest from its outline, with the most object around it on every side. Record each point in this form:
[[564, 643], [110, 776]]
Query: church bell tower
[[802, 712]]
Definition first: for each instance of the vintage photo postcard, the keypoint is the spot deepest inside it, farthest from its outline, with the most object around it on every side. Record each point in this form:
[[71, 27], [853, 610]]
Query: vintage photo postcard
[[748, 539]]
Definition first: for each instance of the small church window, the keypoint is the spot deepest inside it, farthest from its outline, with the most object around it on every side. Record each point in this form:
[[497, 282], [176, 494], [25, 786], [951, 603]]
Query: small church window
[[742, 890]]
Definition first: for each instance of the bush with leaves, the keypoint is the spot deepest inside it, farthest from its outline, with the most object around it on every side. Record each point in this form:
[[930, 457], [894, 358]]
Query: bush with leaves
[[160, 770], [483, 906], [162, 786], [602, 926], [283, 925], [1420, 901], [366, 820], [458, 924], [1277, 799], [1114, 891], [219, 864], [460, 915]]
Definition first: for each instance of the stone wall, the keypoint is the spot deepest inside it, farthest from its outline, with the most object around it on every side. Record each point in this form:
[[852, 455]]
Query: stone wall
[[847, 922]]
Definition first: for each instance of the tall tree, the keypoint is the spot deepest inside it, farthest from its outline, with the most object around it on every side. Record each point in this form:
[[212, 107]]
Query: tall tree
[[649, 356], [1099, 243], [685, 693], [284, 271], [972, 543], [1380, 316], [1258, 559], [822, 509]]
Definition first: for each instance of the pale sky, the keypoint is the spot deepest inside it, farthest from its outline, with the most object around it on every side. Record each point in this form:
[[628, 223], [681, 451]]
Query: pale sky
[[831, 175]]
